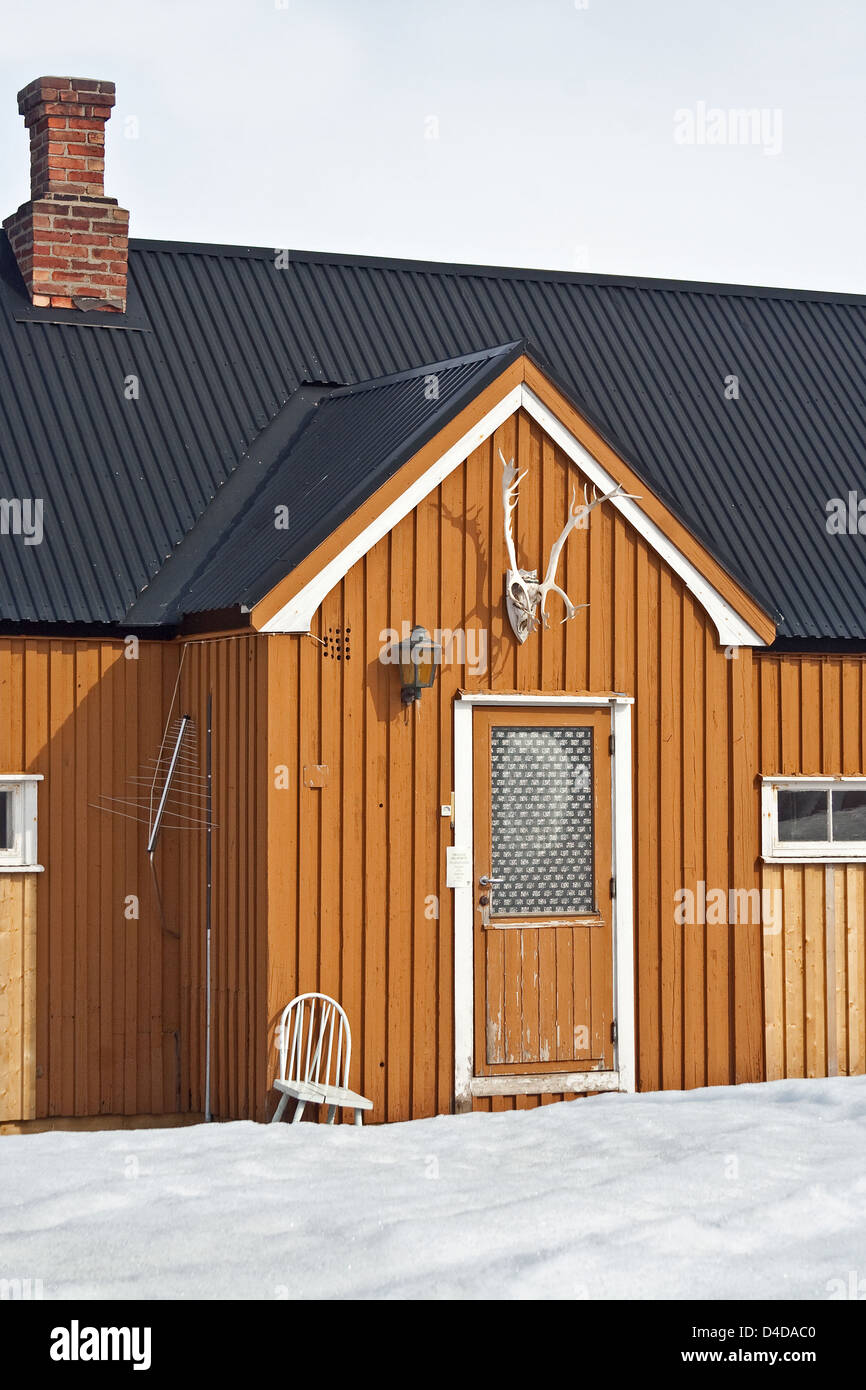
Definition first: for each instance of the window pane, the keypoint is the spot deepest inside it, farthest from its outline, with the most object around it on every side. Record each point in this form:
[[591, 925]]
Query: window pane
[[5, 820], [541, 821], [849, 815], [803, 815]]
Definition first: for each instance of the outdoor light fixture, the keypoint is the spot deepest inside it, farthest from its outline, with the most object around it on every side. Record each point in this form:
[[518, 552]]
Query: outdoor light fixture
[[419, 657]]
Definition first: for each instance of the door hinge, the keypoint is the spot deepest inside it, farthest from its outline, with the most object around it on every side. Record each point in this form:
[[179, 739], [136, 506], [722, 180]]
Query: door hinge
[[613, 888], [611, 745], [613, 1031]]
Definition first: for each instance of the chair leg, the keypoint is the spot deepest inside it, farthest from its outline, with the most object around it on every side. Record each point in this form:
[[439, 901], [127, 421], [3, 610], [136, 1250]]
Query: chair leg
[[299, 1110], [359, 1117], [280, 1110]]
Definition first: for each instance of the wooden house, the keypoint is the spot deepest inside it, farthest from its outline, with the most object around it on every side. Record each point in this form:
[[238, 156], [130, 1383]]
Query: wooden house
[[605, 829]]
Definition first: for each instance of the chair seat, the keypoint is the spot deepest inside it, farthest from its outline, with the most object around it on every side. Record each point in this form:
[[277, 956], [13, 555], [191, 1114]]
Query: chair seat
[[323, 1095]]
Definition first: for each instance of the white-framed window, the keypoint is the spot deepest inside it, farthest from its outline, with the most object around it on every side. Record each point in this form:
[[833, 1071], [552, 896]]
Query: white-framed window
[[18, 822], [812, 820]]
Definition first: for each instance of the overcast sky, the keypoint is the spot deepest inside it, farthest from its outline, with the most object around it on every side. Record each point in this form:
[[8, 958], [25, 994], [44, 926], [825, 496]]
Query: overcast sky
[[573, 134]]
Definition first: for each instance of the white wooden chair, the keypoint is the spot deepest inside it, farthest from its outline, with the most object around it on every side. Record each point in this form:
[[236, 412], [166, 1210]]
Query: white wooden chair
[[306, 1042]]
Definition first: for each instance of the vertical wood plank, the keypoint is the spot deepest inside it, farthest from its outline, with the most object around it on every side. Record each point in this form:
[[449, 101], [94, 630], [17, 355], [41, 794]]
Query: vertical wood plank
[[745, 818], [774, 978]]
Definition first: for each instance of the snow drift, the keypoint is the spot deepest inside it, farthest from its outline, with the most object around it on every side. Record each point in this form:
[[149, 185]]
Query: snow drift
[[730, 1192]]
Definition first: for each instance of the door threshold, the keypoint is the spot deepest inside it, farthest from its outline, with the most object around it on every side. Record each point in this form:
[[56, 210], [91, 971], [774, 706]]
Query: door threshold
[[544, 1083]]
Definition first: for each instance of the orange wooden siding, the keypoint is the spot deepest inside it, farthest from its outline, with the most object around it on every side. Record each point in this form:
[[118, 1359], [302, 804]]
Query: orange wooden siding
[[811, 721], [108, 997], [233, 670], [341, 886], [117, 1023], [363, 912], [17, 996]]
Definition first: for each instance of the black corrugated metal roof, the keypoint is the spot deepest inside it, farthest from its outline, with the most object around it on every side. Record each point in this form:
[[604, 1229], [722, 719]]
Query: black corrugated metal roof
[[350, 441], [221, 339]]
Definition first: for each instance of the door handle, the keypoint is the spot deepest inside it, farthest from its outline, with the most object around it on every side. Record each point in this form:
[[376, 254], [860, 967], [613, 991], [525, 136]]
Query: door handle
[[487, 882]]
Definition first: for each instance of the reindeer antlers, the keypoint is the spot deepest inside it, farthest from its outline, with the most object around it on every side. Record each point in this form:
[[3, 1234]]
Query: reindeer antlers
[[577, 516], [526, 599], [511, 481], [603, 497]]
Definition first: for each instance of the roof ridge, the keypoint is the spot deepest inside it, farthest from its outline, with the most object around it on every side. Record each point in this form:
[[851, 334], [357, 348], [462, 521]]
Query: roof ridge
[[590, 279], [462, 359]]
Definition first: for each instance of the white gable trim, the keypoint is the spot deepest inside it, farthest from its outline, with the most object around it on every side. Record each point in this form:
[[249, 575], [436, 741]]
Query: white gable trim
[[732, 629], [297, 614]]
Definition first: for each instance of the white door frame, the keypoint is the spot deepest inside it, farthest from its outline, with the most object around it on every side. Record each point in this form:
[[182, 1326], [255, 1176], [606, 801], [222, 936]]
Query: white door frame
[[622, 1078]]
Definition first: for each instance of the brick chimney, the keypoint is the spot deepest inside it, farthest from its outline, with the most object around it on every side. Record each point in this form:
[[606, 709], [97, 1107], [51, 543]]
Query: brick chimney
[[69, 240]]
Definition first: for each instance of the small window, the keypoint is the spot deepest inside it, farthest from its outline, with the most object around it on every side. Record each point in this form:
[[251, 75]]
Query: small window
[[812, 819], [6, 836], [18, 822]]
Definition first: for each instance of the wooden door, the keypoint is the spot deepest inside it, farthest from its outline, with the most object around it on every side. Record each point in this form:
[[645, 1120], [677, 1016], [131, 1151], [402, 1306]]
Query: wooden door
[[544, 937]]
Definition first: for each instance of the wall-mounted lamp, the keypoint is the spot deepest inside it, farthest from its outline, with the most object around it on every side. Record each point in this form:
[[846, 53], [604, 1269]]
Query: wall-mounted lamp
[[419, 657]]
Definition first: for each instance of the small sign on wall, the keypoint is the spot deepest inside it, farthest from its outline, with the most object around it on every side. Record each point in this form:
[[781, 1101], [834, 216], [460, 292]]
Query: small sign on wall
[[458, 867]]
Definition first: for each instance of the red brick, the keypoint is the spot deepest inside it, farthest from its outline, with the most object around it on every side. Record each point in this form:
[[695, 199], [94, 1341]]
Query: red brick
[[60, 108], [89, 239], [92, 84], [45, 126], [61, 301]]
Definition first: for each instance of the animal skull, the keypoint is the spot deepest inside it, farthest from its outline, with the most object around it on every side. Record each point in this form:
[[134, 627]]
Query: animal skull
[[525, 597]]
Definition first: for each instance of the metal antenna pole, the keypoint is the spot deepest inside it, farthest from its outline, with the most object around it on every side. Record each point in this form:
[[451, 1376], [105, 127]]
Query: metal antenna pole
[[151, 844], [207, 1111]]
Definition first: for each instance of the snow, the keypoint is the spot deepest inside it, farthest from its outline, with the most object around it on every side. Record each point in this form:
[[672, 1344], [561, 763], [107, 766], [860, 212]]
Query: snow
[[747, 1192]]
